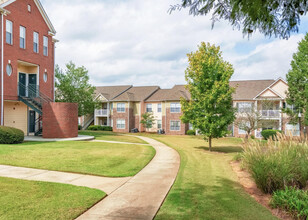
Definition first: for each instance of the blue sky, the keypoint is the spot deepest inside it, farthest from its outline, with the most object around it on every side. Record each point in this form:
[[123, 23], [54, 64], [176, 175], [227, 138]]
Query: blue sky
[[135, 42]]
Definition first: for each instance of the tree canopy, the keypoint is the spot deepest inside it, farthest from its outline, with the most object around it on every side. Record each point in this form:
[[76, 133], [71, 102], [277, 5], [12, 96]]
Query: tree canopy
[[72, 85], [277, 18], [210, 108], [297, 79]]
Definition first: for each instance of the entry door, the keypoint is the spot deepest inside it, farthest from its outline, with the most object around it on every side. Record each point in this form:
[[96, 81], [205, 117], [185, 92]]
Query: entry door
[[31, 121], [32, 85], [22, 84]]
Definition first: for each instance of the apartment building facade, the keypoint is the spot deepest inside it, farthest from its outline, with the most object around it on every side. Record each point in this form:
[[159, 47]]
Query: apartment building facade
[[126, 108], [27, 69]]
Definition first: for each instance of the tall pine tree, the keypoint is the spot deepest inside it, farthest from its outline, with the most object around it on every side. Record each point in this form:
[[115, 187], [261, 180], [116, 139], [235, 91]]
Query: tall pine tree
[[210, 108], [297, 79]]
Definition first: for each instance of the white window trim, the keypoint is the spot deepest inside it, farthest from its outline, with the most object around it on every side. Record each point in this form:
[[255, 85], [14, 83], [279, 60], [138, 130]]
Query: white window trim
[[6, 25], [38, 41], [159, 106], [175, 121], [45, 38], [149, 108], [121, 124], [20, 28], [121, 107], [175, 103], [161, 124]]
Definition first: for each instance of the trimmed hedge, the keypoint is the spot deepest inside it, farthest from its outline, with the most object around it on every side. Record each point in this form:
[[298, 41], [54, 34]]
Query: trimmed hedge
[[292, 200], [99, 128], [191, 132], [9, 135], [267, 134]]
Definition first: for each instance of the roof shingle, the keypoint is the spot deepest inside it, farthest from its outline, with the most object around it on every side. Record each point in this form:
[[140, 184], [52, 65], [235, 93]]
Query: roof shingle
[[110, 92], [137, 94]]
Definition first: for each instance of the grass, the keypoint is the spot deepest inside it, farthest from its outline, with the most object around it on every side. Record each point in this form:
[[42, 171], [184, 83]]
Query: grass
[[102, 159], [206, 187], [23, 199], [110, 136]]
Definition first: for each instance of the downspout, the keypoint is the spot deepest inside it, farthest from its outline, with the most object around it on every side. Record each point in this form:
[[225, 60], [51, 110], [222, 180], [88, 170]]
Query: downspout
[[2, 69], [128, 116]]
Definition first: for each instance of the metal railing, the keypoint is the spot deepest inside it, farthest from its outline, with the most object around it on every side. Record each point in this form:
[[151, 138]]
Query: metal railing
[[270, 113], [102, 112]]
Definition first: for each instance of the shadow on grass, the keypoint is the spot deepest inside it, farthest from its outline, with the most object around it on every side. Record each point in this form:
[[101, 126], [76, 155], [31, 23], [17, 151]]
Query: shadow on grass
[[224, 200], [223, 149]]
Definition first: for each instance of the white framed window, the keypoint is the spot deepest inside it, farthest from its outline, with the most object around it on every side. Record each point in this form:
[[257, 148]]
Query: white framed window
[[120, 107], [244, 107], [175, 107], [45, 77], [149, 108], [9, 32], [292, 130], [159, 124], [9, 69], [22, 37], [240, 131], [45, 44], [175, 125], [29, 8], [120, 123], [35, 42], [158, 107]]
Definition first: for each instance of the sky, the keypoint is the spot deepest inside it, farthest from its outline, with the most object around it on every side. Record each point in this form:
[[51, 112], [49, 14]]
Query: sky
[[137, 42]]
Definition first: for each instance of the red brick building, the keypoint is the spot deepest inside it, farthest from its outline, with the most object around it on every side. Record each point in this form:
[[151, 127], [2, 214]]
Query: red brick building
[[27, 64]]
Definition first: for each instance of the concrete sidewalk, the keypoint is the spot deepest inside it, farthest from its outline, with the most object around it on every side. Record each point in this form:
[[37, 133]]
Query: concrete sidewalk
[[106, 184], [141, 196]]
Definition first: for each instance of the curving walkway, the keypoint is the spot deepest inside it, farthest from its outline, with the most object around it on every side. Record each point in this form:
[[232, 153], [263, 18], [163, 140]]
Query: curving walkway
[[138, 197], [142, 195]]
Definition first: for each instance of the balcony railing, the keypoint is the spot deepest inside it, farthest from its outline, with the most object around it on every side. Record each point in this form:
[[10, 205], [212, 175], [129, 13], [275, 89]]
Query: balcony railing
[[270, 113], [102, 112]]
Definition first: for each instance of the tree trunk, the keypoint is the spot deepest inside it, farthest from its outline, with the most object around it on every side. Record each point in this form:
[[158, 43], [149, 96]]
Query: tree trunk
[[210, 143]]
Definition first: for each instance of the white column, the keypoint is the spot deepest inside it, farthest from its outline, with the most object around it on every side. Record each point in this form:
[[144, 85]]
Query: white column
[[280, 115]]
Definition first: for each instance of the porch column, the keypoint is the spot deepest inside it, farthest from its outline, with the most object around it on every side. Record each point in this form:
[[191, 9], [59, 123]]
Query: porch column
[[280, 115], [256, 110]]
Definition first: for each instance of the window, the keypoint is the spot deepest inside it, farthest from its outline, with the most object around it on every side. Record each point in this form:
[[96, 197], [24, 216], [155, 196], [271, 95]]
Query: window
[[175, 125], [159, 124], [121, 107], [175, 108], [240, 131], [244, 107], [9, 32], [45, 77], [158, 107], [111, 106], [120, 124], [35, 42], [292, 130], [22, 37], [45, 49], [149, 108], [9, 69], [29, 8]]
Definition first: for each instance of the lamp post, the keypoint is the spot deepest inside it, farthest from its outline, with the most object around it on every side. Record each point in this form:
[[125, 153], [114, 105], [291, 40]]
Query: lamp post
[[300, 126]]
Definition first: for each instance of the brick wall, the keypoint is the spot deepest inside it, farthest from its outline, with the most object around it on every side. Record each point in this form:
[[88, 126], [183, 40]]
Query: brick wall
[[119, 115], [174, 117], [60, 120], [32, 22]]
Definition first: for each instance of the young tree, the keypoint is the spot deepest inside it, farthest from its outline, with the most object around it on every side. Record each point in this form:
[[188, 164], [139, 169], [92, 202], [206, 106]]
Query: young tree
[[210, 108], [297, 79], [147, 120], [72, 85], [272, 17]]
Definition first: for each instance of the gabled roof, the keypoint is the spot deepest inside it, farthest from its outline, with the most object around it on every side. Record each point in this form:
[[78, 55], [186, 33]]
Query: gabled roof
[[137, 94], [173, 94], [249, 89], [4, 3], [111, 92]]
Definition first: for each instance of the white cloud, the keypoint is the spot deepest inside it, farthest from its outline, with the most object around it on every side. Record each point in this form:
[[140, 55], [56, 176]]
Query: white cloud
[[138, 42]]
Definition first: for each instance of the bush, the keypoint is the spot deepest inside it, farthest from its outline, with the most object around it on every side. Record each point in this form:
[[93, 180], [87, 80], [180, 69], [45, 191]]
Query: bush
[[99, 128], [267, 134], [252, 137], [277, 164], [10, 135], [79, 127], [191, 132], [292, 200]]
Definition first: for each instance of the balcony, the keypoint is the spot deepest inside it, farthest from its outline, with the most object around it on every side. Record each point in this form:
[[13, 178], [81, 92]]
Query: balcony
[[270, 113], [102, 112]]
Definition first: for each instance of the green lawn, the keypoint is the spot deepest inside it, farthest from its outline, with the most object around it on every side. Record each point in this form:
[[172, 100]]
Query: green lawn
[[96, 158], [206, 186], [21, 199], [110, 136]]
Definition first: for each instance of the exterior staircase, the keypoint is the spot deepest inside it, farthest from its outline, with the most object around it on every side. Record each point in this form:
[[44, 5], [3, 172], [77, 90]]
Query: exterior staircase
[[88, 121], [33, 98]]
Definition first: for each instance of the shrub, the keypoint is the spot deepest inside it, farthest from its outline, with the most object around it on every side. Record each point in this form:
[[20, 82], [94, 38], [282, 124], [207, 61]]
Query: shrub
[[79, 127], [10, 135], [292, 200], [191, 132], [252, 137], [99, 128], [277, 164], [267, 134]]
